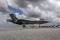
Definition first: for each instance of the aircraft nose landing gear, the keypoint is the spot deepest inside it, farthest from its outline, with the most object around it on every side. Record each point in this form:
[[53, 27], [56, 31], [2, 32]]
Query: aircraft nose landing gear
[[23, 25]]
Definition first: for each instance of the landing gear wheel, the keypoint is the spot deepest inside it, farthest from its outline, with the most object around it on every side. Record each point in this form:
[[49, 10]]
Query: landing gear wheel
[[23, 26]]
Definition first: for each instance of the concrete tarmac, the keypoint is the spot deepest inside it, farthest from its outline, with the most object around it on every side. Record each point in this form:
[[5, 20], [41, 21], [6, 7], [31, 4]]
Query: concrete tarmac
[[31, 34]]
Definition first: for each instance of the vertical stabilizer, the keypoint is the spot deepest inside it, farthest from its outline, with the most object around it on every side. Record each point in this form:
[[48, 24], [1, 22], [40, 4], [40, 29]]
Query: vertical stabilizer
[[13, 17]]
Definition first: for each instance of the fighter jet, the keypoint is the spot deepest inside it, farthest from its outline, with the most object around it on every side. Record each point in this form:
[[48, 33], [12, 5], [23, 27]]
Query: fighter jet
[[15, 20]]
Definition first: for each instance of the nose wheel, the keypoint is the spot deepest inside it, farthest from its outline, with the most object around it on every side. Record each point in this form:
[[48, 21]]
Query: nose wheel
[[23, 26]]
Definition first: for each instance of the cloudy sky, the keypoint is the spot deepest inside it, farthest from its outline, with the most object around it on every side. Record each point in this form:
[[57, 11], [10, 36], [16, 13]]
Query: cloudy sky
[[32, 9], [37, 9]]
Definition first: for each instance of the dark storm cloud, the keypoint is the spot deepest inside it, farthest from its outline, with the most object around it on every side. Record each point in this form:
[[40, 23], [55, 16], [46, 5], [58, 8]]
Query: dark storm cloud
[[34, 0], [3, 5], [24, 3], [33, 14]]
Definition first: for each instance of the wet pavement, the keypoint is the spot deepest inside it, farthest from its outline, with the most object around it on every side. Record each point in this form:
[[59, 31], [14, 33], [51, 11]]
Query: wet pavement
[[31, 34]]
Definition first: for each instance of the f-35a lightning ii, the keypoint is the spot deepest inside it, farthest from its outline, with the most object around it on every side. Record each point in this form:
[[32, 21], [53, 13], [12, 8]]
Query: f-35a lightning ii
[[15, 20]]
